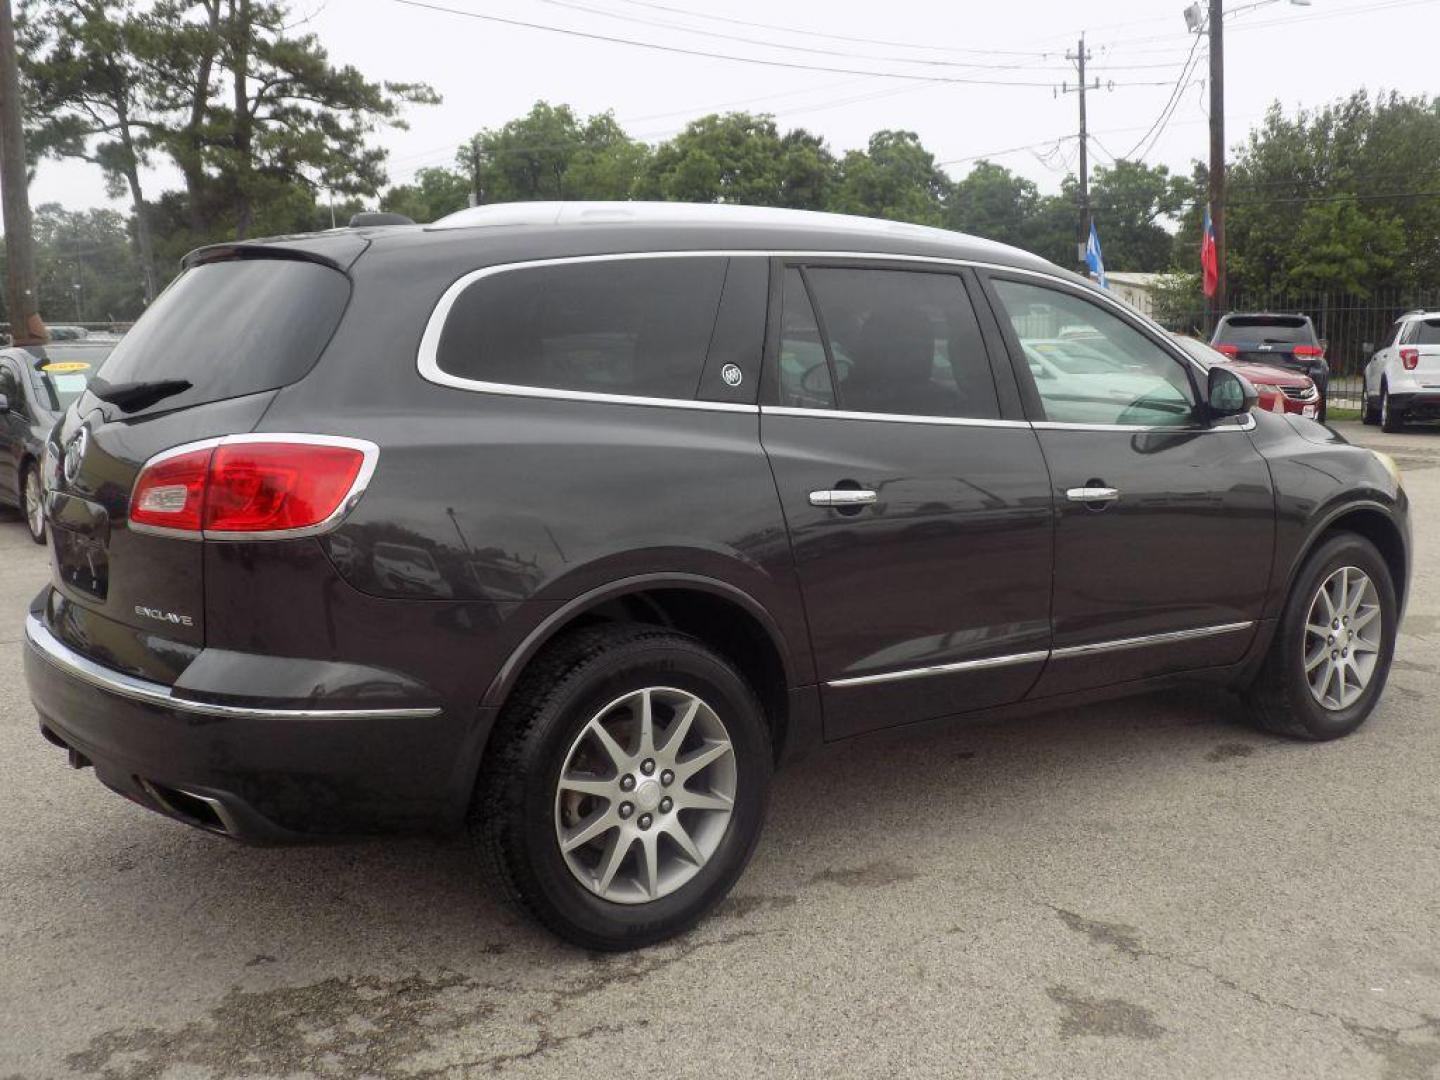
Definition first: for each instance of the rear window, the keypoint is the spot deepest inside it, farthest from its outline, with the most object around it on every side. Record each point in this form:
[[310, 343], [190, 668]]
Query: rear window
[[1426, 332], [232, 328], [636, 327], [1266, 329]]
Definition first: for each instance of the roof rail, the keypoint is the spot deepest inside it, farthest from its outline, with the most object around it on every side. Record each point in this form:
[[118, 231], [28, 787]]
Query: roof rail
[[367, 218]]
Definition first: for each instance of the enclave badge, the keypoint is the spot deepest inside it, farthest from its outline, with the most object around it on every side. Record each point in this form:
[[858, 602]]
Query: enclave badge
[[75, 454]]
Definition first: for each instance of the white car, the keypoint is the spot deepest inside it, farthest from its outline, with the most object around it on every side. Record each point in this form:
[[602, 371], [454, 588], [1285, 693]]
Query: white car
[[1402, 380]]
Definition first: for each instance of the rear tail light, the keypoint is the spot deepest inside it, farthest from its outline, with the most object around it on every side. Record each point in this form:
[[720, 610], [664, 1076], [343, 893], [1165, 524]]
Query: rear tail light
[[1229, 350], [252, 486], [1309, 350], [1410, 358]]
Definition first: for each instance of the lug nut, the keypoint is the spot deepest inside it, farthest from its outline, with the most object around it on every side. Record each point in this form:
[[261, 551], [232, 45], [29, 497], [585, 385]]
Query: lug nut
[[627, 783], [647, 766], [645, 820], [626, 809], [667, 778], [665, 804], [1344, 652], [1337, 624], [1330, 640], [1334, 655]]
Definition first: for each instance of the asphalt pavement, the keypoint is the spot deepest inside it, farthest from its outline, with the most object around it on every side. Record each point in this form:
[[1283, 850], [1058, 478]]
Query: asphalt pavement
[[1140, 889]]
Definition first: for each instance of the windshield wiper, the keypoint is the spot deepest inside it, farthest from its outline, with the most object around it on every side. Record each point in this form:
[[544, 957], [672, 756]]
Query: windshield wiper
[[134, 396]]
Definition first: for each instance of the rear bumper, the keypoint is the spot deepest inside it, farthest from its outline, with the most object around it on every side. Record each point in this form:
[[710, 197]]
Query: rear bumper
[[262, 774], [1417, 404]]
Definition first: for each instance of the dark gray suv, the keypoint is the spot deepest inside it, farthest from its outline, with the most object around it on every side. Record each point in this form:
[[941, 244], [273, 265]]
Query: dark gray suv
[[572, 522]]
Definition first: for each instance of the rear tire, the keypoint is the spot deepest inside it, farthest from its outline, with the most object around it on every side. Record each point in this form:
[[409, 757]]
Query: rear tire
[[1369, 411], [1286, 697], [549, 779], [31, 503], [1392, 419]]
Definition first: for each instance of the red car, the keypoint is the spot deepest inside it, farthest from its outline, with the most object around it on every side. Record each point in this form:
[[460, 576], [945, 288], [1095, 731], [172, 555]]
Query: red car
[[1280, 390]]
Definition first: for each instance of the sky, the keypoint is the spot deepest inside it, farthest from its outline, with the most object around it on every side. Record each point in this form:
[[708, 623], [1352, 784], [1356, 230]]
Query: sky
[[489, 72]]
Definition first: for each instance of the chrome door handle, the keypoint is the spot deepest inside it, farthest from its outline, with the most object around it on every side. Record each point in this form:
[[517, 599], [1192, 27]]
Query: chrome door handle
[[842, 497], [1093, 494]]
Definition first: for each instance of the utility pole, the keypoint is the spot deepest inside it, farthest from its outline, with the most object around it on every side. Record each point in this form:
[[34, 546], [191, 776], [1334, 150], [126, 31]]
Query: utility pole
[[26, 328], [1079, 56], [1217, 153], [475, 172]]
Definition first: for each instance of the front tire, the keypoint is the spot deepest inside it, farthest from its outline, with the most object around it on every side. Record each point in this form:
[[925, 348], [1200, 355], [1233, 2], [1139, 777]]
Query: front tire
[[625, 786], [32, 506], [1331, 655]]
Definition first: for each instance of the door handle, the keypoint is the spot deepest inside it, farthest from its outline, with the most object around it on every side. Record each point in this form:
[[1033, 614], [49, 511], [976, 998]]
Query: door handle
[[842, 497], [1093, 494]]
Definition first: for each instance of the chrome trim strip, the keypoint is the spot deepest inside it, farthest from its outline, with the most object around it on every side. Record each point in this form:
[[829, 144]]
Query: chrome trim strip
[[61, 656], [889, 418], [1117, 645], [368, 449], [1247, 423], [940, 669], [1121, 644]]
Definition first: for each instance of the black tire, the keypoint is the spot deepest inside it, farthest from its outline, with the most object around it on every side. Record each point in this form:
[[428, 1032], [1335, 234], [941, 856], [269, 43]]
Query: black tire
[[1369, 411], [1280, 700], [1391, 418], [28, 474], [513, 816]]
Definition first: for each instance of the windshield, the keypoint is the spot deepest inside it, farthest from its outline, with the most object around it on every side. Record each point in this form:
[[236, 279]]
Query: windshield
[[60, 372], [231, 328]]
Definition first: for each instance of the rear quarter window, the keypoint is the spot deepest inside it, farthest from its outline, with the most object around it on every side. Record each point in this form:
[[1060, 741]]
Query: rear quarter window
[[233, 328], [630, 327], [1426, 332]]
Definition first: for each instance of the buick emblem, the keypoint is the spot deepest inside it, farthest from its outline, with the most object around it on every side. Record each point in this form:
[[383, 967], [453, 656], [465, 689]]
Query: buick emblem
[[732, 375], [75, 454]]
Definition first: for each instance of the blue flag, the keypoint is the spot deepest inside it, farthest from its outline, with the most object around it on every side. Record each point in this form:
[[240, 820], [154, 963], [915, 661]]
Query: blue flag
[[1093, 258]]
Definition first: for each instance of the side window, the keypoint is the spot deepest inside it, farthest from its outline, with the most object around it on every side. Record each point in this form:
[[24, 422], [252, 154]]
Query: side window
[[1090, 366], [10, 386], [1407, 333], [636, 327], [904, 342], [805, 381]]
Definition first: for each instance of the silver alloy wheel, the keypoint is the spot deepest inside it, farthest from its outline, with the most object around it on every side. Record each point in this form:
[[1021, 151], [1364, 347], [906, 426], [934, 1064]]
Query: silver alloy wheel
[[645, 795], [1344, 631], [34, 504]]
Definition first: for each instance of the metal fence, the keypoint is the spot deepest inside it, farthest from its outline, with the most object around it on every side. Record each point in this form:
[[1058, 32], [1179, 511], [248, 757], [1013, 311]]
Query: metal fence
[[1350, 327]]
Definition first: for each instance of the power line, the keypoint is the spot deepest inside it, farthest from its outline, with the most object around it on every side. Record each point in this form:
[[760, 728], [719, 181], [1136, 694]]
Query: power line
[[678, 50], [573, 6], [1174, 96]]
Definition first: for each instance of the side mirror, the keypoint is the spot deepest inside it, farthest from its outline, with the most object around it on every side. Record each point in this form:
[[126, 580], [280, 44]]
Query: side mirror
[[4, 404], [1229, 394]]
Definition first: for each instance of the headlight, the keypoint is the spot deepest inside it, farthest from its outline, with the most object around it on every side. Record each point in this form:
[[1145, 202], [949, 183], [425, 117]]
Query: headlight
[[1390, 466]]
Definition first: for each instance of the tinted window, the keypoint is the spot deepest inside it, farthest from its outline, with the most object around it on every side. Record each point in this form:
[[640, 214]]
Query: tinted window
[[10, 386], [805, 381], [1265, 329], [904, 342], [1138, 383], [639, 327], [1426, 332], [232, 328]]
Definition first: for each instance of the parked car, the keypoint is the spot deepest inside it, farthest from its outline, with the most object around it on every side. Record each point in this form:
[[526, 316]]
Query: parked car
[[1279, 390], [37, 383], [1402, 380], [1285, 341], [668, 544]]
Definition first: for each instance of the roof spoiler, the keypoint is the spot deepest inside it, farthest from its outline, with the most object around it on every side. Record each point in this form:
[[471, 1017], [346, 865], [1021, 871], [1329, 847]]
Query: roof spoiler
[[367, 218]]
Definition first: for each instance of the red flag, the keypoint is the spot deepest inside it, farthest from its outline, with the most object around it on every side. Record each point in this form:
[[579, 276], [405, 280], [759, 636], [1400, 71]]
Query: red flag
[[1208, 256]]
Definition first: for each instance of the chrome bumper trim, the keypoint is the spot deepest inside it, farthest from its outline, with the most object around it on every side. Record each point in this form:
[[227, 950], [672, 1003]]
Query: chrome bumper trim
[[66, 659], [1120, 644], [940, 669]]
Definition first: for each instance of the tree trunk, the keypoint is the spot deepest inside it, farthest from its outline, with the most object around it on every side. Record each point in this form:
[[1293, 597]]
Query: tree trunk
[[22, 302], [241, 132], [144, 241], [191, 159]]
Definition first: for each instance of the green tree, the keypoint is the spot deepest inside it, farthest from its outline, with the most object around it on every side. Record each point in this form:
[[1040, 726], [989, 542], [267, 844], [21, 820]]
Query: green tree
[[1341, 247], [741, 158], [1133, 203], [432, 194], [550, 153], [895, 178], [85, 265], [993, 202]]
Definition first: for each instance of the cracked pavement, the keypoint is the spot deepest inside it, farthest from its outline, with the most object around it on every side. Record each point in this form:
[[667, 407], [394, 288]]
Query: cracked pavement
[[1145, 888]]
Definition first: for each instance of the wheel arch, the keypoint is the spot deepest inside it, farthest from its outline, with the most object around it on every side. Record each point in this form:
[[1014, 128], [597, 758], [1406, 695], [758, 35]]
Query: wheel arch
[[724, 617], [1374, 522]]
